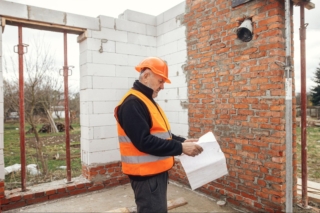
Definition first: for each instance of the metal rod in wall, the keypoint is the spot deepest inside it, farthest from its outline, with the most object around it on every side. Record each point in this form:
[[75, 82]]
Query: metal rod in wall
[[288, 74]]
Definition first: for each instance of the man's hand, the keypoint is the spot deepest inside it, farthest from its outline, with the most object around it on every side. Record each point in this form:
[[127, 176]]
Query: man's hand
[[191, 149], [191, 140]]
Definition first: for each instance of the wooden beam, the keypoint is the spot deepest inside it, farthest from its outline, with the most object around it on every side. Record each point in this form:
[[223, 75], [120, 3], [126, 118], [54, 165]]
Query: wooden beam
[[3, 23], [308, 4], [43, 25]]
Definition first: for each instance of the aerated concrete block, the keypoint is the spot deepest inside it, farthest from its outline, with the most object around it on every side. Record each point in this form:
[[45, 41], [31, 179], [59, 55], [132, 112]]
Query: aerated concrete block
[[104, 144], [130, 26], [110, 82], [47, 15], [179, 33], [102, 94], [182, 44], [106, 22], [86, 133], [151, 30], [173, 12], [13, 9], [126, 71], [111, 35], [103, 132], [139, 39], [180, 129], [183, 117], [104, 156], [168, 26], [133, 49], [177, 57], [134, 60], [96, 44], [91, 69], [85, 57], [135, 16], [167, 49], [86, 107], [100, 119], [104, 106], [80, 21], [86, 82], [110, 58]]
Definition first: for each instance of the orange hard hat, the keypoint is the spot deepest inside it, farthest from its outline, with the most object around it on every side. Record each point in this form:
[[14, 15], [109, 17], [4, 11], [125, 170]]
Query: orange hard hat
[[156, 65]]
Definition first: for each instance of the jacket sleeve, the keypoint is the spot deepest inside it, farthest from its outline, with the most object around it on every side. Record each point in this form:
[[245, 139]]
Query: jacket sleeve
[[178, 138], [135, 120]]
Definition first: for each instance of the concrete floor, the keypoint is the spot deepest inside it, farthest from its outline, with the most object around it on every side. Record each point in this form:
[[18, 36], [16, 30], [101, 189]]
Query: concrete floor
[[122, 196]]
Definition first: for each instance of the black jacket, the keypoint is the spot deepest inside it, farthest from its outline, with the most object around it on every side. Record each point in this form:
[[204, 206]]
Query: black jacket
[[134, 118]]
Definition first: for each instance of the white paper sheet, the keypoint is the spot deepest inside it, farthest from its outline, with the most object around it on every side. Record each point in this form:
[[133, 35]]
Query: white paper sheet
[[207, 166]]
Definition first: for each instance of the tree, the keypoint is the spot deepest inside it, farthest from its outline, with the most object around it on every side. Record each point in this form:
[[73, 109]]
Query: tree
[[315, 91], [41, 84]]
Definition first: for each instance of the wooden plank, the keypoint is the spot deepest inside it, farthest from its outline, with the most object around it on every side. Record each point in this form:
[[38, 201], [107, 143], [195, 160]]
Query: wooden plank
[[170, 203], [176, 203]]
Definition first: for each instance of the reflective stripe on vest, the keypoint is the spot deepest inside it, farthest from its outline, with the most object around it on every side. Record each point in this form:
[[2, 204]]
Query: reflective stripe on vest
[[135, 162]]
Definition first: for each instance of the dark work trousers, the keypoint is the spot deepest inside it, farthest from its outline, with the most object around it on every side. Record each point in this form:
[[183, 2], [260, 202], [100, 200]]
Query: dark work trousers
[[151, 194]]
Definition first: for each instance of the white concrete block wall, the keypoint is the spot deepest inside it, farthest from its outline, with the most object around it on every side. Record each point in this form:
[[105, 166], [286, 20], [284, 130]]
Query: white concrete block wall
[[1, 113], [172, 47], [106, 75]]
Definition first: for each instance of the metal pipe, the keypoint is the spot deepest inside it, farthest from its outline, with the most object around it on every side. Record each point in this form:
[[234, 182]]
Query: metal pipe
[[66, 105], [303, 108], [21, 112], [289, 160]]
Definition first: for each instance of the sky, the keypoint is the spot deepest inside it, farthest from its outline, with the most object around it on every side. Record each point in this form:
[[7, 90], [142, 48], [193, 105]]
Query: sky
[[113, 8]]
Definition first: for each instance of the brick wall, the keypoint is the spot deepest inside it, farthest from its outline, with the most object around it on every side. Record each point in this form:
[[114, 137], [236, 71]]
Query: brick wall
[[237, 91]]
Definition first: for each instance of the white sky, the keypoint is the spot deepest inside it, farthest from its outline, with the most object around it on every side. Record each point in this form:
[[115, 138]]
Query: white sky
[[113, 8]]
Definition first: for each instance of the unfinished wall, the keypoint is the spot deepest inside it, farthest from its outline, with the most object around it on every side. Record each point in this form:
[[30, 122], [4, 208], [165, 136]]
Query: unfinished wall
[[237, 90], [107, 76]]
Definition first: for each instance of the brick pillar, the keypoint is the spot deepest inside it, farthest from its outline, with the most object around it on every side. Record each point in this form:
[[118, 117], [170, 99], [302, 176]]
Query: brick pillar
[[237, 91]]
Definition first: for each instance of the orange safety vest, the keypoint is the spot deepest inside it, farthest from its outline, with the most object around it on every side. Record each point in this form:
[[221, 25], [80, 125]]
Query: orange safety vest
[[139, 163]]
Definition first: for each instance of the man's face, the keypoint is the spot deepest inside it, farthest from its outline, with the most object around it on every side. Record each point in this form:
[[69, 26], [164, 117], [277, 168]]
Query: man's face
[[155, 82]]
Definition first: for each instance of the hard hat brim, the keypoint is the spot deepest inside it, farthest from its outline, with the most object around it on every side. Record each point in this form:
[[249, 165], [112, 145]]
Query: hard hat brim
[[167, 80]]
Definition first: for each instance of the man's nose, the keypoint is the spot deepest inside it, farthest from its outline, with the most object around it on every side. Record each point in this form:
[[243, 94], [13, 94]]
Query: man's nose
[[162, 86]]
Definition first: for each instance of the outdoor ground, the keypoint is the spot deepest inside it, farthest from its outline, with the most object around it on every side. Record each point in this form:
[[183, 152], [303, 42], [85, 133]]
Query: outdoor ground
[[53, 151]]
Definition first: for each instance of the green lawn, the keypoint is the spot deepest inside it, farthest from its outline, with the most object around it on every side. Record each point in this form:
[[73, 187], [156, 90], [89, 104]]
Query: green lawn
[[313, 152], [53, 143]]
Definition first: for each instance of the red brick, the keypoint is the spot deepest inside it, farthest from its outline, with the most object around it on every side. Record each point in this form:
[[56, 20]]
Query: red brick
[[39, 194], [78, 191], [13, 205], [57, 196], [50, 192], [37, 200]]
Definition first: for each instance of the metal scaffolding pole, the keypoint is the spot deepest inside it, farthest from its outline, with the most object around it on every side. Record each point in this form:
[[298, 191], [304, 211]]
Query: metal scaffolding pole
[[66, 106], [21, 112], [304, 171]]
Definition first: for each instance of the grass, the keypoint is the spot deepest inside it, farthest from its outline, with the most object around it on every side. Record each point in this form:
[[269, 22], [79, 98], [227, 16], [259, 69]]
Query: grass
[[313, 151], [53, 143]]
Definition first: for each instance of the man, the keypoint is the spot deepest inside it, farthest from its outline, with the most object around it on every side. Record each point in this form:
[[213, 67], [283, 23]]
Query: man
[[147, 145]]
